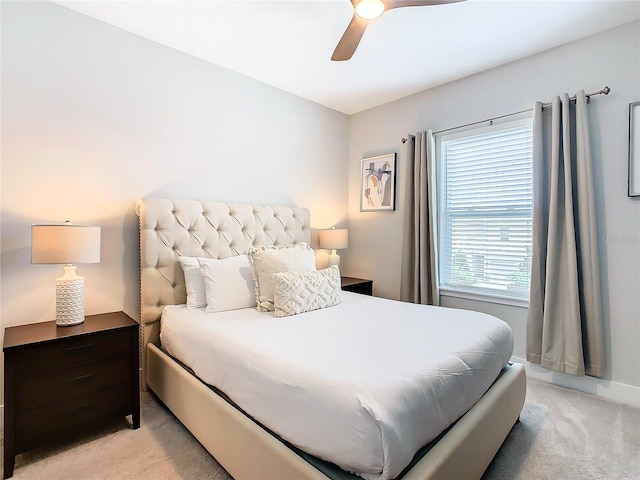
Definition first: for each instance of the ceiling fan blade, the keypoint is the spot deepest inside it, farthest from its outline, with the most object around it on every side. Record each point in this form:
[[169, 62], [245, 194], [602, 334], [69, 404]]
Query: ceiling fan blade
[[350, 39], [389, 4], [353, 34]]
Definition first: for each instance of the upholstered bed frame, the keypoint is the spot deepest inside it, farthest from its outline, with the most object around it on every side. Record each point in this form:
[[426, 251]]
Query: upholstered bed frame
[[171, 228]]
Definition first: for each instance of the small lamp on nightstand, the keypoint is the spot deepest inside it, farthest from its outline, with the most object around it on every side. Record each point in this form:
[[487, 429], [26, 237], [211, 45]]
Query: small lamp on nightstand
[[66, 244], [334, 239]]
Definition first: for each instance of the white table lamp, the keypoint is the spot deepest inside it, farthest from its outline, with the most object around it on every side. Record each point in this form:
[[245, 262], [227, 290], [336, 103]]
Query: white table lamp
[[65, 245], [334, 239]]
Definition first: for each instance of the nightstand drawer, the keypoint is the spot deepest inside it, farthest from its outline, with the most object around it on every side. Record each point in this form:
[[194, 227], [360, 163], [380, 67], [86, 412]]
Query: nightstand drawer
[[74, 351], [71, 383], [56, 418]]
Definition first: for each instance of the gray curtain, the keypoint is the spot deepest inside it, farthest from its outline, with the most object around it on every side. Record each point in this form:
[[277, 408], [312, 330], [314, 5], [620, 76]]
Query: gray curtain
[[564, 321], [418, 282]]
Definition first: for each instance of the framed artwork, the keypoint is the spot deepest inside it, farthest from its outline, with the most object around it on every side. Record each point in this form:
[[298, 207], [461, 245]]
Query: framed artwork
[[378, 183], [634, 149]]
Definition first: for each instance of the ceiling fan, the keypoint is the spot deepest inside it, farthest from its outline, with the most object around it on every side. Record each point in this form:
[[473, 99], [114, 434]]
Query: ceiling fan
[[365, 10]]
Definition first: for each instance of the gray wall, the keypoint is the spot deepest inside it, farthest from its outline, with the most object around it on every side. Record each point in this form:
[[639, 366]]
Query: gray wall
[[610, 58], [94, 117]]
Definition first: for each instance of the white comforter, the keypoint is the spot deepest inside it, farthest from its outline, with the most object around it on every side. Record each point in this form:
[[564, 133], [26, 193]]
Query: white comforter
[[363, 384]]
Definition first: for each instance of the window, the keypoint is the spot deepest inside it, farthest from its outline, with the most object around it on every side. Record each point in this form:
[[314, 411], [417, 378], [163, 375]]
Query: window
[[485, 210]]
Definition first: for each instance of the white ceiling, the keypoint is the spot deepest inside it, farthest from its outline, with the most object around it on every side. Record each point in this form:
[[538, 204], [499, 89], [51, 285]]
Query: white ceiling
[[288, 44]]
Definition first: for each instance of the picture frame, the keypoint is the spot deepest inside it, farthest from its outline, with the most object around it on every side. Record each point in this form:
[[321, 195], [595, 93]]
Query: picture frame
[[634, 149], [378, 183]]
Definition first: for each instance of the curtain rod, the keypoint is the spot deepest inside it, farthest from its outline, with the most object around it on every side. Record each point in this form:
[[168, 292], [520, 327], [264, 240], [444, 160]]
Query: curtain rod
[[604, 91]]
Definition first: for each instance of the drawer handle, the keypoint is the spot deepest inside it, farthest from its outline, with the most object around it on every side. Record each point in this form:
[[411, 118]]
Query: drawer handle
[[81, 409], [80, 380], [79, 350]]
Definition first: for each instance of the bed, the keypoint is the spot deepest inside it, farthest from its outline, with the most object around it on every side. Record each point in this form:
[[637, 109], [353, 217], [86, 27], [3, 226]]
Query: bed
[[171, 229]]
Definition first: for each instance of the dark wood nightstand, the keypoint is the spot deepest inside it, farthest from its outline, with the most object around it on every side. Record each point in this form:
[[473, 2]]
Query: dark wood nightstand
[[357, 285], [61, 381]]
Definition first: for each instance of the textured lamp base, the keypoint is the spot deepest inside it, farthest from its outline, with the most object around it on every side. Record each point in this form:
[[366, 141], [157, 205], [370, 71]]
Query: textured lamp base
[[69, 298], [334, 259]]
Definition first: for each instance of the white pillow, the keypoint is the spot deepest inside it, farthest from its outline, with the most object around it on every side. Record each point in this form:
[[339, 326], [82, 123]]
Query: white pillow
[[194, 283], [265, 261], [302, 292], [228, 283]]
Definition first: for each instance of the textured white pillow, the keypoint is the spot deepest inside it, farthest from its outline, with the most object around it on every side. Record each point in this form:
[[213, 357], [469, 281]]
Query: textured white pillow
[[228, 283], [265, 261], [194, 283], [302, 292]]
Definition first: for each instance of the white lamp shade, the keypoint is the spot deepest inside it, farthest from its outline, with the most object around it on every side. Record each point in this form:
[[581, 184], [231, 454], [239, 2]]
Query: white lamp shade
[[65, 244], [334, 239]]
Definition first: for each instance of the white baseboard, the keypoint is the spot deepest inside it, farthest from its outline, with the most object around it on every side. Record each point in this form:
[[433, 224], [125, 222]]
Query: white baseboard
[[618, 392]]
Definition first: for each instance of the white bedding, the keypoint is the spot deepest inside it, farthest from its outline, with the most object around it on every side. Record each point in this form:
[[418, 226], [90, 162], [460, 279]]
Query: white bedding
[[363, 384]]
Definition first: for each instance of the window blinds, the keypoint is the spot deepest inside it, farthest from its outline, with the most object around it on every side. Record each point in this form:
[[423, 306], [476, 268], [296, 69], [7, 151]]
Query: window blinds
[[486, 211]]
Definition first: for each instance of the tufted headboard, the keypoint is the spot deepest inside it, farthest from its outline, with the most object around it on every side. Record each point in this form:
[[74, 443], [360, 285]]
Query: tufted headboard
[[171, 228]]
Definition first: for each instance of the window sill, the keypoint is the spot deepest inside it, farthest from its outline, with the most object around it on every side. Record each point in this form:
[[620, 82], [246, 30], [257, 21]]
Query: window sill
[[483, 297]]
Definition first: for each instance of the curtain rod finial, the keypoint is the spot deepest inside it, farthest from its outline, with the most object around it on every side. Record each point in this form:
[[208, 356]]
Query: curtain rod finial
[[606, 90]]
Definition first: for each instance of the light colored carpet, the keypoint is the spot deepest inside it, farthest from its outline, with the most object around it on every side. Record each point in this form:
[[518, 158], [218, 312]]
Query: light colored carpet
[[566, 434], [563, 434]]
